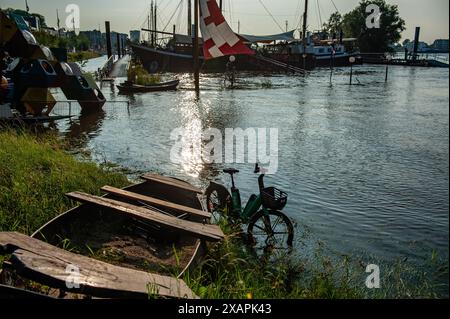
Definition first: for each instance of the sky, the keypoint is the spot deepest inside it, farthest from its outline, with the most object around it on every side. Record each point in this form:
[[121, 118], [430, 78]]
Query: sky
[[431, 15]]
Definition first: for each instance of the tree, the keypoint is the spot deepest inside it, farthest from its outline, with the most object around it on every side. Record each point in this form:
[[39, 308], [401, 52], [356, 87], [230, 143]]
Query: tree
[[374, 39], [334, 24]]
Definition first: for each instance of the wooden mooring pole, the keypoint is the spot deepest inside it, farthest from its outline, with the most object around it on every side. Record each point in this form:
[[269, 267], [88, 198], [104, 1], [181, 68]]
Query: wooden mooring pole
[[118, 46], [108, 39], [196, 45]]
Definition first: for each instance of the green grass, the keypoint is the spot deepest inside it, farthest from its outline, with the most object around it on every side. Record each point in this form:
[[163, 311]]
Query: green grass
[[231, 272], [35, 173], [81, 56], [138, 75]]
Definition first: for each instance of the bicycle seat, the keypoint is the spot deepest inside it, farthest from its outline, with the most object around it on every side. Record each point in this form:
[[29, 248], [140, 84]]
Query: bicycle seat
[[231, 171]]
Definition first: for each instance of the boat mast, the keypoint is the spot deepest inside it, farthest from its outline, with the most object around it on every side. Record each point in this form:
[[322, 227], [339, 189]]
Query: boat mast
[[148, 24], [189, 29], [155, 25], [58, 23], [152, 35], [196, 45], [305, 25]]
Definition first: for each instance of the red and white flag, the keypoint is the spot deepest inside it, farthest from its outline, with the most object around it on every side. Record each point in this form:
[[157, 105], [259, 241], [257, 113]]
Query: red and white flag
[[218, 38]]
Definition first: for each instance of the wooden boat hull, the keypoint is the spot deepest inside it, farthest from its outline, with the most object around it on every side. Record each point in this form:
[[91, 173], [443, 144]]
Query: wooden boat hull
[[155, 60], [106, 236], [127, 242], [130, 89]]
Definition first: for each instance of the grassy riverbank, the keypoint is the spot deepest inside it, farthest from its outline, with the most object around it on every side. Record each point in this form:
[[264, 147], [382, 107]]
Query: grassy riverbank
[[36, 172], [82, 56]]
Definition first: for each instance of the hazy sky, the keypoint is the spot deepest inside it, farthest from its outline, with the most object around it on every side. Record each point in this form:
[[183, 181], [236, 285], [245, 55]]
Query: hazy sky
[[431, 15]]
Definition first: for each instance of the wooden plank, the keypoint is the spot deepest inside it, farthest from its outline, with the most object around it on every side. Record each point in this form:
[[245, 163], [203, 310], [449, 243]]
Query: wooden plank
[[172, 182], [155, 201], [13, 293], [49, 265], [202, 231]]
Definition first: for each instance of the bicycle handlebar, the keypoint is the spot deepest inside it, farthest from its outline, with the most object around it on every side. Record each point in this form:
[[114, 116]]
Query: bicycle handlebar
[[261, 177]]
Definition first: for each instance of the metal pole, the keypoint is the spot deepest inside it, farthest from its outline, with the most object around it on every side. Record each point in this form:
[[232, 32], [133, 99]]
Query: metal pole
[[351, 73], [189, 18], [387, 72], [305, 25], [196, 53], [155, 20], [220, 6], [416, 43], [118, 46], [152, 35], [331, 66]]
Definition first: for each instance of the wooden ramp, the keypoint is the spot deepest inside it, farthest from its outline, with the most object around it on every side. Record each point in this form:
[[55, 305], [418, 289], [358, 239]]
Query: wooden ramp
[[156, 202], [203, 231], [51, 266], [172, 182]]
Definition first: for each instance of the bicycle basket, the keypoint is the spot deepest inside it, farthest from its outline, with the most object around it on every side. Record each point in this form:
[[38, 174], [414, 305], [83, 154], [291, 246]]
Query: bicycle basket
[[273, 198]]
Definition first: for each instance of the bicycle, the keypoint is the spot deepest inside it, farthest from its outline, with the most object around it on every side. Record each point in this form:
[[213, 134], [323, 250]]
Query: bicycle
[[267, 225]]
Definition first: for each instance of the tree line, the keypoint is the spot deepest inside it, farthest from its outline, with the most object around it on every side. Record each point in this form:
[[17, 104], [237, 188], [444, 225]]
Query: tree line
[[353, 25]]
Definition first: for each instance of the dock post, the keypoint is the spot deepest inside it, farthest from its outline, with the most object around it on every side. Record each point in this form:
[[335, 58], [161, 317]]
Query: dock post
[[108, 39], [416, 43], [351, 60], [388, 60], [118, 46], [196, 45], [331, 65]]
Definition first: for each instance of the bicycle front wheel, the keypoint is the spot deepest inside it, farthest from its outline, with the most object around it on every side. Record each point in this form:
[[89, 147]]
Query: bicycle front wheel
[[271, 231]]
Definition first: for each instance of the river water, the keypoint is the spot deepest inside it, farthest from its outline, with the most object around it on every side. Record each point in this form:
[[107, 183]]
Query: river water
[[366, 166]]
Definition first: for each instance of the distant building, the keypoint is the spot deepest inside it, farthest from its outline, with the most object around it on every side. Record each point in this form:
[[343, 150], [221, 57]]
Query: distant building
[[423, 47], [123, 39], [440, 45], [51, 31], [95, 39], [135, 36]]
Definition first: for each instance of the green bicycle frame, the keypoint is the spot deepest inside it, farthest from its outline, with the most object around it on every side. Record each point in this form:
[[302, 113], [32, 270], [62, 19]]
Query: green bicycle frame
[[253, 206]]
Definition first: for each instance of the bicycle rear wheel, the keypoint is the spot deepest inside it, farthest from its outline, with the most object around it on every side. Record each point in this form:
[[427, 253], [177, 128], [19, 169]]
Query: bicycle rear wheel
[[272, 232], [218, 201]]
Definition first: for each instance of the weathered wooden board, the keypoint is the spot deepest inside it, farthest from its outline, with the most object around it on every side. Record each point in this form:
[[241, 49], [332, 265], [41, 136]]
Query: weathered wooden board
[[12, 293], [49, 265], [202, 231], [172, 182], [155, 201]]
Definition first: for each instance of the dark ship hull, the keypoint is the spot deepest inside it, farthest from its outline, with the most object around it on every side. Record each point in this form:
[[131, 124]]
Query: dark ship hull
[[157, 60]]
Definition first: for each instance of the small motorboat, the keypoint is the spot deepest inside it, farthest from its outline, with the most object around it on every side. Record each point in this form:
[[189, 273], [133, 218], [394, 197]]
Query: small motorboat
[[129, 87]]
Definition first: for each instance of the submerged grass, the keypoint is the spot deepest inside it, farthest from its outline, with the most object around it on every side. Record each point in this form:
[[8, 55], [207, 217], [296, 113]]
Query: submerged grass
[[231, 271], [36, 172]]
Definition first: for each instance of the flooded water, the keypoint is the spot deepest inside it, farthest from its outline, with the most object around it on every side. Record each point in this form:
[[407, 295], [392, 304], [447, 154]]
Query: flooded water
[[366, 166]]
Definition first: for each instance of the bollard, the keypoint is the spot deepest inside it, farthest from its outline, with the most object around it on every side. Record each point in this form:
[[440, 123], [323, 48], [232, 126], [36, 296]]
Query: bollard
[[351, 60]]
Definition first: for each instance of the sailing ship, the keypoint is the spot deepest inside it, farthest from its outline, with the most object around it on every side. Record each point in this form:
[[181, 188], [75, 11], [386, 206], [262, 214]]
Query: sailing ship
[[217, 43]]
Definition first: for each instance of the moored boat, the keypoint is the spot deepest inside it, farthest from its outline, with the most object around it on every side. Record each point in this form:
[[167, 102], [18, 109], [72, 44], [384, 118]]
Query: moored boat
[[129, 87]]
